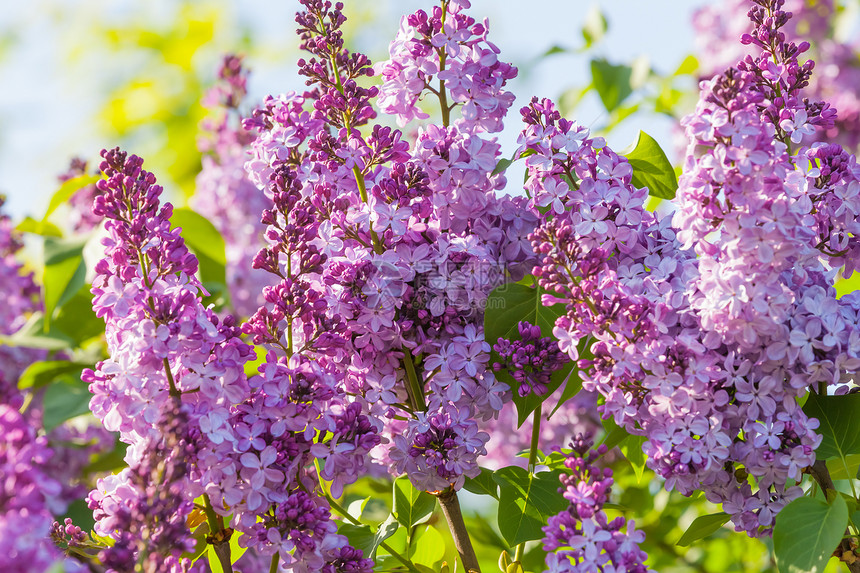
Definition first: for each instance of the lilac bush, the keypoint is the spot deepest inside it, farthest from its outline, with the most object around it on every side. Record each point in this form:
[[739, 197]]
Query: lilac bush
[[394, 318]]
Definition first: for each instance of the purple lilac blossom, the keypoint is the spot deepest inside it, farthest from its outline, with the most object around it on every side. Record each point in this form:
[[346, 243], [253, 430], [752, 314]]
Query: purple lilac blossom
[[394, 249], [582, 539], [224, 194], [837, 78], [20, 301], [707, 353], [531, 360], [27, 497]]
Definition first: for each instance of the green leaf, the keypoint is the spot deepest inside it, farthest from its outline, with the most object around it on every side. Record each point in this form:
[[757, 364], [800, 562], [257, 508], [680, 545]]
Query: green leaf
[[33, 335], [483, 484], [206, 242], [632, 450], [64, 273], [410, 504], [359, 536], [688, 67], [703, 526], [111, 461], [65, 399], [651, 167], [849, 469], [385, 530], [838, 427], [502, 165], [555, 49], [428, 547], [595, 26], [806, 532], [507, 306], [614, 434], [44, 228], [356, 508], [200, 234], [40, 374], [612, 82], [67, 189], [76, 318], [526, 501]]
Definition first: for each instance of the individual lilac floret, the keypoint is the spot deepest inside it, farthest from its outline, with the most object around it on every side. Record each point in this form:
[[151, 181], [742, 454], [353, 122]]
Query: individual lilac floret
[[582, 539], [531, 360]]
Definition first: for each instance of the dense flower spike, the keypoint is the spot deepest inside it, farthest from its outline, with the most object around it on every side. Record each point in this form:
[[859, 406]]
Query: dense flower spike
[[378, 255], [720, 26], [166, 349], [582, 538], [386, 254], [707, 353], [26, 497], [224, 195], [146, 510]]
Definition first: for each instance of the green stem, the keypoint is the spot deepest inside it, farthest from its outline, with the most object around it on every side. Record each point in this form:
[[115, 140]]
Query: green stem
[[345, 514], [276, 559], [219, 538], [174, 391], [443, 56], [533, 451]]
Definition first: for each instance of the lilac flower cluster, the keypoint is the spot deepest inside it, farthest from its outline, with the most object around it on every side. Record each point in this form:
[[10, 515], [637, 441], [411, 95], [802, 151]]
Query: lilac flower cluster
[[175, 379], [27, 497], [582, 538], [146, 512], [448, 46], [531, 360], [165, 348], [705, 350], [719, 26], [224, 195], [386, 253]]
